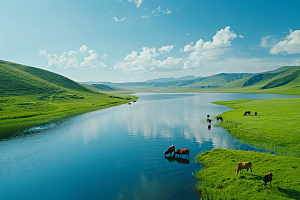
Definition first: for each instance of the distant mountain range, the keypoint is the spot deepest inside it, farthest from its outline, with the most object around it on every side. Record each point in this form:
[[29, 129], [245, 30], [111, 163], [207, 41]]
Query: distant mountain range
[[276, 81], [175, 83]]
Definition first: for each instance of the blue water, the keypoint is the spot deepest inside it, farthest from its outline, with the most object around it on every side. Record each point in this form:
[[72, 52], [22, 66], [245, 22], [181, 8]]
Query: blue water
[[117, 153]]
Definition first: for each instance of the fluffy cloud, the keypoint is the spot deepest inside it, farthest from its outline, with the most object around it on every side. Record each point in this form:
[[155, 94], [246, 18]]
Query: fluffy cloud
[[209, 51], [167, 11], [147, 61], [66, 60], [70, 59], [83, 48], [166, 48], [137, 2], [119, 20], [156, 11], [92, 60], [192, 65], [290, 45], [104, 56], [221, 39], [42, 52]]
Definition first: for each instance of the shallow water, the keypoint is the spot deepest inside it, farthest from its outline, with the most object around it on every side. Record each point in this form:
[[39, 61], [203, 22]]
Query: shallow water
[[117, 153]]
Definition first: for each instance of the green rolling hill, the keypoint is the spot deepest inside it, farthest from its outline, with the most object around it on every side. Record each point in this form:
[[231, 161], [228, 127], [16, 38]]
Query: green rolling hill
[[284, 80], [31, 96]]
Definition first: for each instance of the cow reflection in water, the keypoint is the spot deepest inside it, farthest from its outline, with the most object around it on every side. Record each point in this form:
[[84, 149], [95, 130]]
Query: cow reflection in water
[[179, 160]]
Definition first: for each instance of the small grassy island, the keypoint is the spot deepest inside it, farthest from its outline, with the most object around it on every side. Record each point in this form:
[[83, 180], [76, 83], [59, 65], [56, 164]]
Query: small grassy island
[[31, 96]]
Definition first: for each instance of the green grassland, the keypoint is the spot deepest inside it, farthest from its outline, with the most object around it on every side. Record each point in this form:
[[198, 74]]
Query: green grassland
[[30, 96], [218, 180], [275, 128]]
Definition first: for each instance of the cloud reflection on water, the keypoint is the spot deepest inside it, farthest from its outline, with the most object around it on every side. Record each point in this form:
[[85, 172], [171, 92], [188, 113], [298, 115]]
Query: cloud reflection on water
[[166, 118]]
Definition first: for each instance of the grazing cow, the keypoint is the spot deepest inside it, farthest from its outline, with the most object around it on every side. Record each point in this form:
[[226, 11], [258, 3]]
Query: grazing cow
[[247, 112], [219, 118], [209, 127], [180, 152], [267, 178], [244, 165], [255, 113], [170, 150], [134, 101], [129, 103]]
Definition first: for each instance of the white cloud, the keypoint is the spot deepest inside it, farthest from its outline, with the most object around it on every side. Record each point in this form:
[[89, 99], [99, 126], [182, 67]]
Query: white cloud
[[209, 55], [146, 61], [137, 2], [119, 20], [42, 52], [83, 48], [104, 56], [92, 60], [133, 79], [221, 39], [290, 45], [167, 11], [145, 16], [241, 36], [211, 50], [187, 33], [156, 11], [192, 65], [166, 49], [66, 60]]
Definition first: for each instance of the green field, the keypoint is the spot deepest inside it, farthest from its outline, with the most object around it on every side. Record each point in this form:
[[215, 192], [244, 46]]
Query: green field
[[219, 179], [275, 128], [30, 96]]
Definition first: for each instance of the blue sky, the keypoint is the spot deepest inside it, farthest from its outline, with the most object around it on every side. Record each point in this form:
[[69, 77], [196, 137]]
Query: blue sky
[[137, 40]]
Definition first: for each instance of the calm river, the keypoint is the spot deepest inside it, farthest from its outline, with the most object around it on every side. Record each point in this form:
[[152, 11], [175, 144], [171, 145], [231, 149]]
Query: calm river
[[118, 153]]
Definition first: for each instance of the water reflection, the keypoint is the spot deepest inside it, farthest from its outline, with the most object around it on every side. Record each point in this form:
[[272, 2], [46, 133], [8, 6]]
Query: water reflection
[[177, 159]]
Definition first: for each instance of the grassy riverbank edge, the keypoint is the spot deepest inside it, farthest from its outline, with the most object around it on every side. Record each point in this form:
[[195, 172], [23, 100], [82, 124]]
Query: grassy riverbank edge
[[11, 125], [218, 180], [275, 128]]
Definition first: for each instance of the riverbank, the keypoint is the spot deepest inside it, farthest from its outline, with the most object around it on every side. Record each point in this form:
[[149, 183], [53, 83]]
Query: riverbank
[[21, 112], [219, 179], [275, 128]]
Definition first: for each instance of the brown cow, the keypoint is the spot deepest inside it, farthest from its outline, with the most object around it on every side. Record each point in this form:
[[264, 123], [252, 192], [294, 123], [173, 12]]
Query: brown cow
[[170, 150], [180, 152], [219, 118], [267, 178], [244, 165]]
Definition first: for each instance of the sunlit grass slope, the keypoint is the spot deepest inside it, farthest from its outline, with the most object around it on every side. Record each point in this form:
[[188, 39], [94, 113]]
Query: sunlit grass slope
[[218, 180], [30, 96], [275, 128]]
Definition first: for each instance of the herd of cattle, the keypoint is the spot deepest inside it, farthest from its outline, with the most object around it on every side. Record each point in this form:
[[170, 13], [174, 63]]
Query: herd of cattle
[[248, 165], [242, 165], [178, 152]]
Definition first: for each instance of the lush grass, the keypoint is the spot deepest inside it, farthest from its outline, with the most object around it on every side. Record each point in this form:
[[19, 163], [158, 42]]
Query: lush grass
[[275, 128], [30, 96], [19, 112], [218, 180]]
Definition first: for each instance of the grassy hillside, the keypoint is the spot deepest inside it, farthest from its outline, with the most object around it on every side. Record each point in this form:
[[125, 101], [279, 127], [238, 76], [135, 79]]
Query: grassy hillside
[[30, 96], [218, 180], [108, 89]]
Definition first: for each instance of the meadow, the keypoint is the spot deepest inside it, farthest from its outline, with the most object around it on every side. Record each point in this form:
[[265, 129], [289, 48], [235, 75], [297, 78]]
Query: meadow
[[275, 128], [20, 112], [31, 96], [220, 181]]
